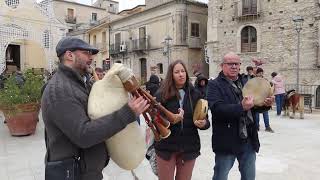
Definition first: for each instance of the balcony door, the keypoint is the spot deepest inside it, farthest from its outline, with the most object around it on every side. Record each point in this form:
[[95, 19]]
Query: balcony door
[[142, 38], [70, 13], [143, 70], [249, 7]]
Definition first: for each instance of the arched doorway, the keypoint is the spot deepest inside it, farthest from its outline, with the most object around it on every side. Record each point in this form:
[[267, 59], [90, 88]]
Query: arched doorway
[[318, 97], [143, 70]]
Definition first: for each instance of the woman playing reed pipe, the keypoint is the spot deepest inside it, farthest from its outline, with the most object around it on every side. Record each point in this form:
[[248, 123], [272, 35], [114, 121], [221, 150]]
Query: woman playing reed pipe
[[180, 150]]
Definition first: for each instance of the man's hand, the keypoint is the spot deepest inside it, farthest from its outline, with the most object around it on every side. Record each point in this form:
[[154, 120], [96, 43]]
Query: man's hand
[[138, 105], [200, 123], [247, 103], [269, 101]]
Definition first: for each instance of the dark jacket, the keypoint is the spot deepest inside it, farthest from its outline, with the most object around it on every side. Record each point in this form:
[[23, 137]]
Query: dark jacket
[[184, 136], [153, 84], [226, 112], [201, 89], [70, 131]]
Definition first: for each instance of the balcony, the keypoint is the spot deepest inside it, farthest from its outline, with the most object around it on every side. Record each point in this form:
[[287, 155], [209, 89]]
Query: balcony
[[140, 44], [71, 19], [195, 42], [93, 22], [114, 48], [247, 9]]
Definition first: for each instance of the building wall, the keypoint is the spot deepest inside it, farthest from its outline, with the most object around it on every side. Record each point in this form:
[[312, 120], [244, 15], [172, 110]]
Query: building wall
[[277, 38], [173, 19], [27, 18], [83, 13], [102, 43]]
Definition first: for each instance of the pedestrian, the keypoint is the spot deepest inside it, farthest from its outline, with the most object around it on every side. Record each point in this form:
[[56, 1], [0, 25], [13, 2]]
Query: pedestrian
[[20, 80], [99, 72], [153, 84], [265, 114], [279, 91], [201, 85], [179, 151], [250, 74], [75, 144], [234, 132]]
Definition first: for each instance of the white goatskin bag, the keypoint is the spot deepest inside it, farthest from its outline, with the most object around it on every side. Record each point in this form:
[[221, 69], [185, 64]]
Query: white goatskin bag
[[127, 148]]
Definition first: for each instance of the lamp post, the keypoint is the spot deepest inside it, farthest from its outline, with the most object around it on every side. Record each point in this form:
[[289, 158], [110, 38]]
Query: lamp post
[[166, 50], [298, 21]]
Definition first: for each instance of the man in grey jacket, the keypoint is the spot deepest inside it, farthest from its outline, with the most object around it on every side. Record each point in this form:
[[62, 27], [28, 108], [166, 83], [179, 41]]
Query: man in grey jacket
[[69, 130]]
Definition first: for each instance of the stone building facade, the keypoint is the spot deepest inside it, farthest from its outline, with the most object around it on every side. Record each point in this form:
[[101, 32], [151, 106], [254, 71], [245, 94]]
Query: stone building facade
[[139, 41], [264, 29], [29, 32]]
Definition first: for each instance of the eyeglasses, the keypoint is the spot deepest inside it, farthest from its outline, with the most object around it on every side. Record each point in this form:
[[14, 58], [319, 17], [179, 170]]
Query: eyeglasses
[[230, 64], [86, 52]]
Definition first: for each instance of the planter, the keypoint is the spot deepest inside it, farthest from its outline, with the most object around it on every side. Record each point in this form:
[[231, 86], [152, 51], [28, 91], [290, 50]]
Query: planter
[[22, 120]]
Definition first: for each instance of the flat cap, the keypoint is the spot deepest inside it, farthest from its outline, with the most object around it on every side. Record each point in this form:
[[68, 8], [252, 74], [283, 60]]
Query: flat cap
[[72, 44]]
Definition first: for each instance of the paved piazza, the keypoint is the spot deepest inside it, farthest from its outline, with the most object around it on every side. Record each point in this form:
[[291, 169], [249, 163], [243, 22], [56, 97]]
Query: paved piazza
[[291, 153]]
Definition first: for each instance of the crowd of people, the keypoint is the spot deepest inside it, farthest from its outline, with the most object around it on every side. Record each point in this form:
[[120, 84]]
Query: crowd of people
[[76, 144]]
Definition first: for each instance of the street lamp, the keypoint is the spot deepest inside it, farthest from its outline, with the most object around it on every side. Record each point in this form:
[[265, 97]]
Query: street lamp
[[298, 21], [166, 49]]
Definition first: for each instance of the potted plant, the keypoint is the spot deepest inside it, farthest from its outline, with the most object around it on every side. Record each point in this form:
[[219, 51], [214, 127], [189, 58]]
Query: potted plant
[[20, 102]]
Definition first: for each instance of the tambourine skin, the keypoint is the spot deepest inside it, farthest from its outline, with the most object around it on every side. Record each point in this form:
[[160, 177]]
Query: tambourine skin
[[259, 88], [201, 110]]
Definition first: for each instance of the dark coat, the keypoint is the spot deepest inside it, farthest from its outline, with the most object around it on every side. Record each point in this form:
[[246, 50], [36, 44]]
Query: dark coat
[[69, 130], [201, 89], [153, 84], [184, 136], [226, 112]]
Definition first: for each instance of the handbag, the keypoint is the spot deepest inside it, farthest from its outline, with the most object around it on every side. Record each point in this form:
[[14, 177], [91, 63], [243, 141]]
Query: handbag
[[68, 169]]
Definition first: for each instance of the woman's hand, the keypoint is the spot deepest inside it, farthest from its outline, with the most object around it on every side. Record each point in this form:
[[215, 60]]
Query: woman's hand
[[200, 123]]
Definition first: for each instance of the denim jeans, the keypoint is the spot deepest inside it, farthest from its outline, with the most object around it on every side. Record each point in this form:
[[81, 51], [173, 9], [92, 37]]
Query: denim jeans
[[265, 119], [279, 102], [247, 164]]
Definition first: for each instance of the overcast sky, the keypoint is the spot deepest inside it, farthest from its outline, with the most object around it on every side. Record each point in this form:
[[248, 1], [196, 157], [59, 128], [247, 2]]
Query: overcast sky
[[126, 4]]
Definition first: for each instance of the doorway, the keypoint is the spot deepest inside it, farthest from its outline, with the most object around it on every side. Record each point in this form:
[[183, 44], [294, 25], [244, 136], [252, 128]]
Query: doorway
[[13, 59], [143, 70]]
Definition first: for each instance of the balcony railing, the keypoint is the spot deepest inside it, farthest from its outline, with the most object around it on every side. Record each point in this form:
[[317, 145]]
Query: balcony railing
[[247, 8], [114, 48], [194, 42], [71, 19], [140, 44]]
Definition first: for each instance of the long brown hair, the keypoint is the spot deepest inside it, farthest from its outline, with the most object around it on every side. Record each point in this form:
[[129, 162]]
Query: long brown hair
[[168, 87]]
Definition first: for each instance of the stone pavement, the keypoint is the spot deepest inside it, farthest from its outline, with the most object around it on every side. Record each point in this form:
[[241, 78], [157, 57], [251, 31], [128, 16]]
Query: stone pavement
[[291, 153]]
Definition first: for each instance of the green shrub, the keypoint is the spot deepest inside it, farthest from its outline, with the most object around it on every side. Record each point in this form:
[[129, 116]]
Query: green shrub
[[30, 92]]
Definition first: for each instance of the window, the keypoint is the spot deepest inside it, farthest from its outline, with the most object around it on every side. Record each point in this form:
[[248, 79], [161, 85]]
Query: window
[[111, 5], [12, 3], [70, 13], [46, 39], [160, 67], [248, 39], [94, 17], [94, 40], [195, 29], [249, 7]]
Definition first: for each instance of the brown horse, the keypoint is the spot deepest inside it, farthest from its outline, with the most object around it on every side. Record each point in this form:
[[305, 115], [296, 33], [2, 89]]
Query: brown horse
[[293, 101]]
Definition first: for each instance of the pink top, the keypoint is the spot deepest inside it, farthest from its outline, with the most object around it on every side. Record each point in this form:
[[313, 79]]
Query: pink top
[[279, 87]]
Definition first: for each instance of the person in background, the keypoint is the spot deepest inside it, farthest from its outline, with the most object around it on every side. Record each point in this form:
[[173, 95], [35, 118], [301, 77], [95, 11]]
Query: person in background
[[153, 84], [279, 91], [100, 73], [20, 80], [201, 85], [265, 114], [176, 155], [249, 75]]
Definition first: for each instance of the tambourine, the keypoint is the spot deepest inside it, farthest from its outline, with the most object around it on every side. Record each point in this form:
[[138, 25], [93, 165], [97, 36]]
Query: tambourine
[[259, 88], [201, 110]]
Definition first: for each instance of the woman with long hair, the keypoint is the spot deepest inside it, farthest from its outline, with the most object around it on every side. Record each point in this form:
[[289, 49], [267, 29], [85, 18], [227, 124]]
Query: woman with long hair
[[179, 151]]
